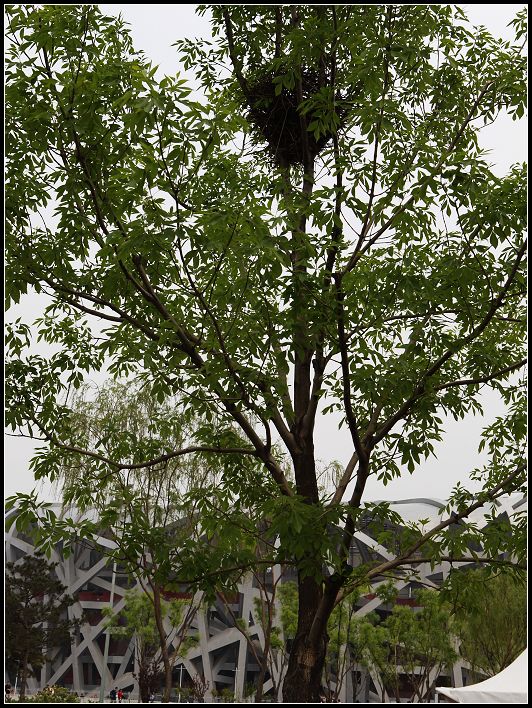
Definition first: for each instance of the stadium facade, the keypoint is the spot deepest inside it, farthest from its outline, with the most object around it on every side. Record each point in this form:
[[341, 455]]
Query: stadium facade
[[222, 656]]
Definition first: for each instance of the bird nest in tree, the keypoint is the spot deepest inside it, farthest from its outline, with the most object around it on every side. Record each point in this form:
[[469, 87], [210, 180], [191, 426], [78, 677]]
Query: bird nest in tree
[[277, 120]]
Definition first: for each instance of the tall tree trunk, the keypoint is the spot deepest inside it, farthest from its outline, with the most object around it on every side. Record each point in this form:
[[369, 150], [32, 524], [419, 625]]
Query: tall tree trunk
[[23, 677], [302, 682], [260, 679], [162, 641], [264, 660], [144, 675]]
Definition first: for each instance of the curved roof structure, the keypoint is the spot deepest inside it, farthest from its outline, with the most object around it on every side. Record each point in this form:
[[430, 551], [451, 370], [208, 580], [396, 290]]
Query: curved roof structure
[[412, 510]]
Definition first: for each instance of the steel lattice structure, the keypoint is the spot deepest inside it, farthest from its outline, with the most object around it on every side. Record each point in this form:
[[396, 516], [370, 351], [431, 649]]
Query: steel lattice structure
[[222, 656]]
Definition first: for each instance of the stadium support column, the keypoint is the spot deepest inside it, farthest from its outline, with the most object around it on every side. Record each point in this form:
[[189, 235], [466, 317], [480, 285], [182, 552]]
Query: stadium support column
[[107, 636], [203, 629]]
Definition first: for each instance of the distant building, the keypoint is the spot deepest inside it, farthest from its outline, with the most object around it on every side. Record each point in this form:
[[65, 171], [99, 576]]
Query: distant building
[[223, 656]]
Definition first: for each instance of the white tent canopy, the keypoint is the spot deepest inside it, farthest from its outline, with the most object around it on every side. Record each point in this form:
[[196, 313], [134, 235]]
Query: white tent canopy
[[510, 686]]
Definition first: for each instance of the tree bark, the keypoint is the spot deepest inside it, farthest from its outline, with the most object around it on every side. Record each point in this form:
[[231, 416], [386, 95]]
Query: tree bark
[[260, 679], [264, 659], [164, 647], [144, 676], [302, 682], [23, 678]]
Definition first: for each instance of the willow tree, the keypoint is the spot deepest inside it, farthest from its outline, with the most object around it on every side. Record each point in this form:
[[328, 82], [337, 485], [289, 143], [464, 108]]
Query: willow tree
[[491, 614], [141, 510], [320, 233]]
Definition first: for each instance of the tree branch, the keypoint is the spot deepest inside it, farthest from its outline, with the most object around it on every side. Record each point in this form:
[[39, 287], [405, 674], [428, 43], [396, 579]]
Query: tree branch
[[405, 558], [348, 408], [420, 389], [482, 379], [140, 465], [357, 254], [60, 288], [237, 64]]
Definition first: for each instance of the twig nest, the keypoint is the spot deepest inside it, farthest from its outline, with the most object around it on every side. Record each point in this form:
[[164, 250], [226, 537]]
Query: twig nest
[[277, 120]]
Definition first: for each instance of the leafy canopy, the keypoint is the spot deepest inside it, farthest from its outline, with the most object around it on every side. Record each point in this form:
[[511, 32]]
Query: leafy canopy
[[491, 614], [376, 273]]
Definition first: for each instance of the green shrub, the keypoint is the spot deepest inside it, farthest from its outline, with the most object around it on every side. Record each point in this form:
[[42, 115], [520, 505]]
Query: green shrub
[[54, 694], [227, 695]]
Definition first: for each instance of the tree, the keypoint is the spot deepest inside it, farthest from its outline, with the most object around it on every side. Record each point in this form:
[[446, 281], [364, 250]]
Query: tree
[[322, 233], [264, 611], [142, 512], [491, 614], [54, 694], [271, 653], [137, 620], [414, 644], [199, 688], [347, 641], [282, 640], [36, 615], [340, 655]]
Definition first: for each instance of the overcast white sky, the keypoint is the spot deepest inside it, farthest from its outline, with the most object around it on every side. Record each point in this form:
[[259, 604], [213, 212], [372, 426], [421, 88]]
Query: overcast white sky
[[154, 29]]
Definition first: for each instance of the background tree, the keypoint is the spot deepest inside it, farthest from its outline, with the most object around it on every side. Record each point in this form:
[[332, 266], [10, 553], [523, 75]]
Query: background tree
[[491, 614], [266, 611], [54, 694], [283, 639], [199, 688], [270, 652], [411, 647], [321, 233], [142, 511], [137, 620], [36, 615], [340, 655]]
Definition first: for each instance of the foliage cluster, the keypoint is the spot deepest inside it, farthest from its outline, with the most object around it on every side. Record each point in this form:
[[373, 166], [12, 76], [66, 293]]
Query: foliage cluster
[[53, 694], [378, 280], [37, 617]]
